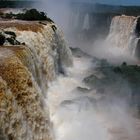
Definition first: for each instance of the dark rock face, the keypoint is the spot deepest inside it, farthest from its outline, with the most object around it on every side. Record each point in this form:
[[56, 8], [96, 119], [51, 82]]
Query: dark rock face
[[90, 80], [80, 103], [13, 41], [132, 74], [137, 51], [8, 37], [137, 31], [10, 33], [54, 28], [78, 52], [2, 39]]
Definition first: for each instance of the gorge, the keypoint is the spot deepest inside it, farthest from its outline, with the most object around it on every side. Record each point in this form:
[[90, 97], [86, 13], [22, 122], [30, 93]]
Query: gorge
[[50, 91]]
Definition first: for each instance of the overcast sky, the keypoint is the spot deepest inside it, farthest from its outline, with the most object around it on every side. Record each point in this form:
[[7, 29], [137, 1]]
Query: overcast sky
[[118, 2]]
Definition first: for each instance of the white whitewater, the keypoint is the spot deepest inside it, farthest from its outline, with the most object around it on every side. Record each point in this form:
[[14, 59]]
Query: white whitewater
[[121, 43], [122, 32], [79, 116], [40, 57]]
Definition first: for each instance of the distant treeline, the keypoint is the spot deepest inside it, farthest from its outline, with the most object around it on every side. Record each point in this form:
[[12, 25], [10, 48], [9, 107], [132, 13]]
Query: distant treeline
[[127, 10], [16, 3], [107, 9]]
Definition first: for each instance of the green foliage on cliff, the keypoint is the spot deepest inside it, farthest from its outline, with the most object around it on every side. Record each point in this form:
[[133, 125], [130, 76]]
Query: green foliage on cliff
[[32, 14], [29, 15]]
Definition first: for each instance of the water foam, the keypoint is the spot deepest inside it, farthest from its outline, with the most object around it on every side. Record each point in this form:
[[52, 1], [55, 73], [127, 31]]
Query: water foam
[[84, 116]]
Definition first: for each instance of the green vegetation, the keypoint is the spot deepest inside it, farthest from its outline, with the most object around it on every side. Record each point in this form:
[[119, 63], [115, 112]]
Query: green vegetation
[[129, 72], [30, 15], [120, 81], [107, 9]]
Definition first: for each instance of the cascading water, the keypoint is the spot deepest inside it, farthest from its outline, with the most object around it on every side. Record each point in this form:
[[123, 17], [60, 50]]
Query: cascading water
[[17, 120], [31, 55], [123, 33], [97, 110], [86, 25], [47, 46], [121, 43]]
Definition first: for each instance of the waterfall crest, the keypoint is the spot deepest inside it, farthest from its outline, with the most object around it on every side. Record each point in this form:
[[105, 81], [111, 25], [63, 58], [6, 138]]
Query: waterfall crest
[[45, 42]]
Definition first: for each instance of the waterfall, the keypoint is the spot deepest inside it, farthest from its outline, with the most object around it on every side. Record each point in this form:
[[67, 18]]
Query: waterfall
[[123, 33], [47, 46], [21, 100], [32, 55], [97, 110], [86, 25]]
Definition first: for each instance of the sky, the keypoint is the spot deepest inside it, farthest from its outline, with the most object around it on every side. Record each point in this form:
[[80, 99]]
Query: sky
[[120, 2], [114, 2]]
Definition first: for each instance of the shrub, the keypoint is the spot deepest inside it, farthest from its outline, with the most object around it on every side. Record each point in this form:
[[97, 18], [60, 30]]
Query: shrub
[[33, 14]]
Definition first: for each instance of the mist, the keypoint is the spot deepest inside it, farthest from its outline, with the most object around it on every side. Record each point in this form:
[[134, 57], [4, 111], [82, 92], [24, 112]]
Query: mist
[[100, 110], [91, 115], [89, 76], [68, 19], [58, 10]]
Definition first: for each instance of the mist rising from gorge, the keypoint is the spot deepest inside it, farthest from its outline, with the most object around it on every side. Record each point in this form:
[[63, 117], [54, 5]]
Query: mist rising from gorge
[[85, 30], [83, 85], [103, 106]]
